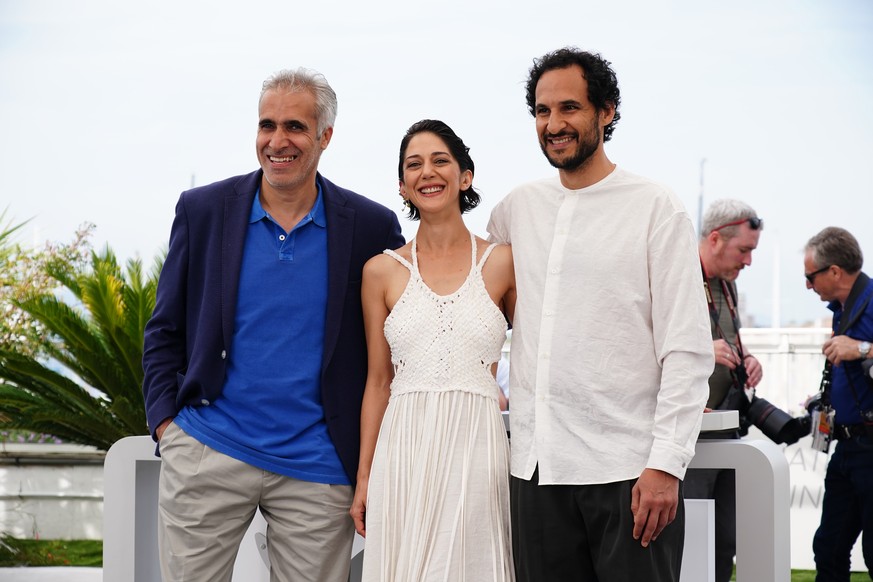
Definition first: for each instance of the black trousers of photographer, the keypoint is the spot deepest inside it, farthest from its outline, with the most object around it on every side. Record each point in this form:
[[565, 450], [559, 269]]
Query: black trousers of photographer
[[847, 510]]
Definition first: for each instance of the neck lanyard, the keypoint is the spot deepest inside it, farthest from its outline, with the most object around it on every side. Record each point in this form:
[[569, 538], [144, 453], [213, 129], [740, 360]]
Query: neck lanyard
[[713, 310]]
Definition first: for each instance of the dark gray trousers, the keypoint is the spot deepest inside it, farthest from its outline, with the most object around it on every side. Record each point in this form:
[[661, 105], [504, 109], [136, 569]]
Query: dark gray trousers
[[584, 533]]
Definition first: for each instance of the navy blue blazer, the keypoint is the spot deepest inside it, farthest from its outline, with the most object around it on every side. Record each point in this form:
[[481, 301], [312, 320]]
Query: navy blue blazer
[[188, 338]]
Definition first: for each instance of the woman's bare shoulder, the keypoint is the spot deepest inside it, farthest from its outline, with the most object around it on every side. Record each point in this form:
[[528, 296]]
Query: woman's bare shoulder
[[500, 253], [384, 264]]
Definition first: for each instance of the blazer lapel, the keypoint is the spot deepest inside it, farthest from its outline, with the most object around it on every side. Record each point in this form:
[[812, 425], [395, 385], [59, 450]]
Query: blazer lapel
[[340, 226]]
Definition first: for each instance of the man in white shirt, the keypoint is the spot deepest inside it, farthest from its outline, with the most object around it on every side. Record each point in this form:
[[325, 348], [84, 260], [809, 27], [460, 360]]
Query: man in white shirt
[[611, 347]]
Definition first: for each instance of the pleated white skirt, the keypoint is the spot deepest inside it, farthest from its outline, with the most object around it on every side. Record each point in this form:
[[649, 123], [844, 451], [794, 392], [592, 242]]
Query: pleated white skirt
[[438, 507]]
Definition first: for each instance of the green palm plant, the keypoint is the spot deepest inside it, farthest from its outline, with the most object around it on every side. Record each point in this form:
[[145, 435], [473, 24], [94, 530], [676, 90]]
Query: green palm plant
[[84, 384]]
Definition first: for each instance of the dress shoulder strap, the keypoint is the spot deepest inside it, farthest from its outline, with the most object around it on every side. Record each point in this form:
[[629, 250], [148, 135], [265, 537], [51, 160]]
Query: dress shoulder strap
[[399, 259], [485, 255]]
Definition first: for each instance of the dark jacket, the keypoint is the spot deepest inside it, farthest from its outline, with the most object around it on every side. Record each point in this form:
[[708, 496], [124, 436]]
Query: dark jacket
[[188, 339]]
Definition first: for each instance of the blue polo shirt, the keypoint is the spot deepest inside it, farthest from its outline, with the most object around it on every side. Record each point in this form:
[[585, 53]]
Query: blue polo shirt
[[270, 414], [846, 397]]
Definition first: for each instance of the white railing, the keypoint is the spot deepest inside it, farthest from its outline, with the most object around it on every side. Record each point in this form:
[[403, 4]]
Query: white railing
[[51, 491]]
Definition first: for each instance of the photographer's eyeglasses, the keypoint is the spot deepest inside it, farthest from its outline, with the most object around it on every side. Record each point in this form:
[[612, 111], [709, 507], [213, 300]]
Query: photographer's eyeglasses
[[755, 223], [811, 276]]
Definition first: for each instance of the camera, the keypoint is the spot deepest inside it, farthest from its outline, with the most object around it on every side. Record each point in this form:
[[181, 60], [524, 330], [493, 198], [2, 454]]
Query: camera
[[776, 424], [779, 426]]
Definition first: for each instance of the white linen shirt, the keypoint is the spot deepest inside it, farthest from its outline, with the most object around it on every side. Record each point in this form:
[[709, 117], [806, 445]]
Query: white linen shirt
[[611, 346]]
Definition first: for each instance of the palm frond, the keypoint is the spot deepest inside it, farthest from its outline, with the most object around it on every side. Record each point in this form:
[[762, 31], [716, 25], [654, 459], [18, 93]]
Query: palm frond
[[89, 389], [80, 347]]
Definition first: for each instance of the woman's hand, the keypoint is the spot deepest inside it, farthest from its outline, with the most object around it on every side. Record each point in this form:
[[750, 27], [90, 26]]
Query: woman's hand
[[358, 510]]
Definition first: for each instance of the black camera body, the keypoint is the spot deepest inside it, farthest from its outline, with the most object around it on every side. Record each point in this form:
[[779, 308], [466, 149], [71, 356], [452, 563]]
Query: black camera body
[[779, 426], [776, 424]]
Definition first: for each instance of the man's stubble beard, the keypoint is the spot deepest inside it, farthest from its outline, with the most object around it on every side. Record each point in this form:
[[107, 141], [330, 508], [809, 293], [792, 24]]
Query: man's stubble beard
[[584, 149]]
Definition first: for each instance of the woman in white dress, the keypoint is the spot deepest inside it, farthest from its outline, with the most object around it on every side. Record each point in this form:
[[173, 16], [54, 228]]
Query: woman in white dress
[[432, 495]]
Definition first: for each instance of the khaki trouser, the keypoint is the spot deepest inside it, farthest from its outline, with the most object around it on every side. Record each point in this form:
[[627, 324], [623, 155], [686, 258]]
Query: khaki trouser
[[207, 501]]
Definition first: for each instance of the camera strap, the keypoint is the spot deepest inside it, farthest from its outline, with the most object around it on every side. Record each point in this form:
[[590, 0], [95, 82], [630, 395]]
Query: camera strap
[[849, 315], [729, 292]]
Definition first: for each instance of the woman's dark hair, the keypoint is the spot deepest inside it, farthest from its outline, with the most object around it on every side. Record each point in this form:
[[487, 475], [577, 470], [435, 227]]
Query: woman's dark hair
[[469, 198], [602, 82]]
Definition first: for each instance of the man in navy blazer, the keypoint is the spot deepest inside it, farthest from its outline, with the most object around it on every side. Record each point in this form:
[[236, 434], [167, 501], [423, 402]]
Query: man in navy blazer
[[255, 358]]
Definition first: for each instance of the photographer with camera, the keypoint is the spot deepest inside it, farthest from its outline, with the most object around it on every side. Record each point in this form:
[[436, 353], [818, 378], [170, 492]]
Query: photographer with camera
[[832, 264], [728, 235]]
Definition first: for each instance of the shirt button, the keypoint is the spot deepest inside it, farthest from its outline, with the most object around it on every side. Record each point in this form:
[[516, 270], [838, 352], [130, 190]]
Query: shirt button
[[281, 237], [204, 402], [223, 354]]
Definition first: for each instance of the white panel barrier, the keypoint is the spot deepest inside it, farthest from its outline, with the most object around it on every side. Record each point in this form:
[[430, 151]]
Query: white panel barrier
[[698, 556], [763, 522], [131, 475], [130, 519]]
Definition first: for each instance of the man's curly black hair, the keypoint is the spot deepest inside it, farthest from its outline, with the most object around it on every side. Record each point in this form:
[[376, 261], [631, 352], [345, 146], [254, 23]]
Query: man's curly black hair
[[602, 82]]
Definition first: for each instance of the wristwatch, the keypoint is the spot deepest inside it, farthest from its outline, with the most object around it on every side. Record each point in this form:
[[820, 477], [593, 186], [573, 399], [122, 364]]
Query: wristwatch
[[864, 349]]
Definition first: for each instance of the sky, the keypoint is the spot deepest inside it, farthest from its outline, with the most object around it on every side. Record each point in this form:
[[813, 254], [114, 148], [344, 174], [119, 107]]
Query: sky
[[109, 110]]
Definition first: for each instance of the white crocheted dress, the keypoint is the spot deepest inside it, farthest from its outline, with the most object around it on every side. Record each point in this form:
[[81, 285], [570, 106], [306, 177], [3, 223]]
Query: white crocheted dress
[[438, 507]]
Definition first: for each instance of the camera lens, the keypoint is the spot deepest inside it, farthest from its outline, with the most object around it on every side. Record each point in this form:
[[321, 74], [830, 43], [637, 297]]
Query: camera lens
[[776, 424]]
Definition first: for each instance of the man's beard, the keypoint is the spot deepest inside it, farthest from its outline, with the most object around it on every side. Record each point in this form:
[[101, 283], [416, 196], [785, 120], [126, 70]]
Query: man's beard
[[585, 148]]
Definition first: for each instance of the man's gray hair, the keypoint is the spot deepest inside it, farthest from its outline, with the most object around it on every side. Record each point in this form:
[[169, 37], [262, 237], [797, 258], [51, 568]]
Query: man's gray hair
[[836, 246], [303, 79], [725, 211]]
